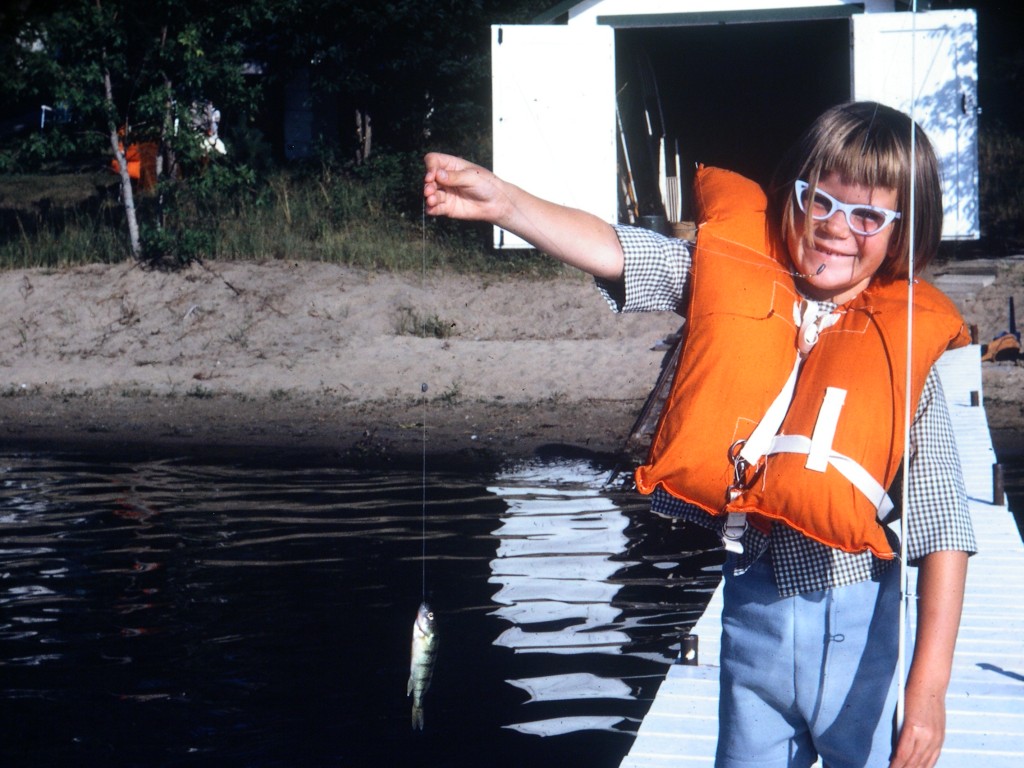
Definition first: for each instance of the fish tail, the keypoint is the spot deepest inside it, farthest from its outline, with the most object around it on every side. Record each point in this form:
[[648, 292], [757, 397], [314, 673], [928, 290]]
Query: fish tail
[[417, 718]]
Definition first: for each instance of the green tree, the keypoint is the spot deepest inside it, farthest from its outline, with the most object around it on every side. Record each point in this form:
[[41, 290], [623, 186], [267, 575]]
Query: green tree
[[129, 73], [418, 72]]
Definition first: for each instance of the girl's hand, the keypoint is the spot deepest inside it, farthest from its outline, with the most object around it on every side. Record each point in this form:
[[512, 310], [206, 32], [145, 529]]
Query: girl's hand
[[940, 590], [458, 189], [924, 729]]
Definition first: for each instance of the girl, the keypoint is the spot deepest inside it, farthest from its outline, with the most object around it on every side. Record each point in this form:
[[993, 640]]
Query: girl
[[783, 430]]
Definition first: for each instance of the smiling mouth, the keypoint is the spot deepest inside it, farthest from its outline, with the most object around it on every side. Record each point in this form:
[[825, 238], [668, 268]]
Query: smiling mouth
[[829, 252]]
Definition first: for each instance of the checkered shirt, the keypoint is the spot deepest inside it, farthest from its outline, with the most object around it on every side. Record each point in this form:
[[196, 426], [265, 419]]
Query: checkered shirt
[[656, 271]]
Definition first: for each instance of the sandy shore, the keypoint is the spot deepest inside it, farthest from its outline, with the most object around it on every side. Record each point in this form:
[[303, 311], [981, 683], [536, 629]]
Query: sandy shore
[[323, 361]]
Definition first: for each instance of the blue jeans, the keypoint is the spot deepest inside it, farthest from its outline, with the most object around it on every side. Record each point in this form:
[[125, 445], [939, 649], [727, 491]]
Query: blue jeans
[[808, 675]]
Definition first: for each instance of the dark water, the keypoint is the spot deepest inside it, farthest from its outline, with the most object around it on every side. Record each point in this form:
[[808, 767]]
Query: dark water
[[168, 613], [1013, 470], [1009, 448]]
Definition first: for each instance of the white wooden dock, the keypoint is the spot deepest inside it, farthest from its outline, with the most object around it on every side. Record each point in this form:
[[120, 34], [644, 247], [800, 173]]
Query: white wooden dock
[[985, 703]]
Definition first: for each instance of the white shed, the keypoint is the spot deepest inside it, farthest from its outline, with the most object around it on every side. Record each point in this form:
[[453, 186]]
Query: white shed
[[591, 103]]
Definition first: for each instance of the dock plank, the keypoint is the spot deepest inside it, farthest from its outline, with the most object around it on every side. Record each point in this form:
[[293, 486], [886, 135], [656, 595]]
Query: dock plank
[[985, 702]]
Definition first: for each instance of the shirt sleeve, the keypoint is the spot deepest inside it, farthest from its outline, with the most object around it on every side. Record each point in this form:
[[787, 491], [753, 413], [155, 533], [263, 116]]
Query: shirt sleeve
[[655, 272], [939, 517]]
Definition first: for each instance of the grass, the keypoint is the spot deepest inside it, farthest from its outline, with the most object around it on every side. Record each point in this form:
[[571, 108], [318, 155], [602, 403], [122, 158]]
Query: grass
[[58, 220], [452, 395], [325, 215], [409, 322], [199, 392], [368, 217], [59, 189]]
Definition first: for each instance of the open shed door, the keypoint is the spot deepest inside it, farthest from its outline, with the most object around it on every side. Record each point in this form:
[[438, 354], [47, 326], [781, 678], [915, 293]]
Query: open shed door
[[925, 64], [554, 116]]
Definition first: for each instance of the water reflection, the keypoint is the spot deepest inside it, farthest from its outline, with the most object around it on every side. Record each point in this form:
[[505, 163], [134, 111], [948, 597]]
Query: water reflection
[[562, 562], [164, 612], [554, 564]]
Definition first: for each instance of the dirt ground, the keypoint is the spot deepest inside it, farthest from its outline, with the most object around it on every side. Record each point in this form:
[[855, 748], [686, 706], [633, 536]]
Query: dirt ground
[[324, 362]]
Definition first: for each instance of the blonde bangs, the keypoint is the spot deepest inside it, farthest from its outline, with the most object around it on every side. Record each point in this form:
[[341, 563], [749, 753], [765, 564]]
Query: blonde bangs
[[867, 144]]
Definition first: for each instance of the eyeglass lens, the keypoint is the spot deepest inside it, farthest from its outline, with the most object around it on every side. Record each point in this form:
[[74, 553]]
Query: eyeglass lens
[[863, 220]]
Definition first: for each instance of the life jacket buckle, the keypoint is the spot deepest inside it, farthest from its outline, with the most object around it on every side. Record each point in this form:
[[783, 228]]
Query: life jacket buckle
[[735, 522], [739, 470], [732, 532]]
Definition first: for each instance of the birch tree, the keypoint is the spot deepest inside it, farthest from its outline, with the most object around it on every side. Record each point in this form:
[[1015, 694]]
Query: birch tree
[[132, 72]]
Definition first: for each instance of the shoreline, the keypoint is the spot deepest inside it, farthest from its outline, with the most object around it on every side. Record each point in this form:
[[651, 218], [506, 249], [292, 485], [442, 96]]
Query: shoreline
[[314, 432], [317, 433], [323, 363]]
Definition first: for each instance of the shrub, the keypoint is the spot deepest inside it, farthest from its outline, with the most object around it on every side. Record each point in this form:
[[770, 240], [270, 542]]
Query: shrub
[[367, 215]]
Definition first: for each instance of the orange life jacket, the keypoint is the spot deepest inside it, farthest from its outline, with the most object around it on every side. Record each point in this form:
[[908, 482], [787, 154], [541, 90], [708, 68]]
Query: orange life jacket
[[824, 465]]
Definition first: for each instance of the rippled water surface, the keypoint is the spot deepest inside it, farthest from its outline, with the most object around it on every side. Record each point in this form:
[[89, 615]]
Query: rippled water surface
[[162, 612]]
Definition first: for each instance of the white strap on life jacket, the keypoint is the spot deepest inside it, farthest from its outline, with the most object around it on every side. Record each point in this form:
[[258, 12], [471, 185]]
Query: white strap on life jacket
[[825, 429], [761, 438], [859, 477], [811, 318]]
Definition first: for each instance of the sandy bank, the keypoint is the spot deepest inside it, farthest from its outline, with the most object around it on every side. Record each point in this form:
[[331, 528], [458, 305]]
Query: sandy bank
[[322, 361]]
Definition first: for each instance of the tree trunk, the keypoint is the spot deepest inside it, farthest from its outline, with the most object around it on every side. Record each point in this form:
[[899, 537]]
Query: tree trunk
[[167, 161], [168, 158], [364, 135], [127, 195]]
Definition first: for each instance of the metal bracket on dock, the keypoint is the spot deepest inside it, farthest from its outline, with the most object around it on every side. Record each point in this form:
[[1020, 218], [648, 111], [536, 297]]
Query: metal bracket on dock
[[688, 650]]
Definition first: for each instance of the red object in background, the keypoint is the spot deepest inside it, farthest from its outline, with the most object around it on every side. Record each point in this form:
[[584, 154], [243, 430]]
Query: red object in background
[[141, 159]]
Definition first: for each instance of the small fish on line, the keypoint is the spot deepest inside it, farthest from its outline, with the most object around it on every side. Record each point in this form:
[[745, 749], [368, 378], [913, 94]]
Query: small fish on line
[[421, 668]]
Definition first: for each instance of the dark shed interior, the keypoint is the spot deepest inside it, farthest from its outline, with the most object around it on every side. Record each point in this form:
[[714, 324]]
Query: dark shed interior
[[732, 95]]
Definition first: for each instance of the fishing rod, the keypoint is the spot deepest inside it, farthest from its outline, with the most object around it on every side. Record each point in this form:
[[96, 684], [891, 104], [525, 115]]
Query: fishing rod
[[633, 207], [901, 684]]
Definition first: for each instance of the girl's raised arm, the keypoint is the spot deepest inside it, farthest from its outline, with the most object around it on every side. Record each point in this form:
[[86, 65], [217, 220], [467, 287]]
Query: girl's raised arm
[[459, 189]]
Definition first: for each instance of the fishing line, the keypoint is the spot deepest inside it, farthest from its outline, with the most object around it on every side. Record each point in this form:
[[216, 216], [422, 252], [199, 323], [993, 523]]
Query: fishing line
[[423, 501], [423, 419]]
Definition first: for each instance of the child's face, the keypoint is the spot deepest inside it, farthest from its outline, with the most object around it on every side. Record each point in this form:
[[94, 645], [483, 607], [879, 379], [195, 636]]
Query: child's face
[[850, 260]]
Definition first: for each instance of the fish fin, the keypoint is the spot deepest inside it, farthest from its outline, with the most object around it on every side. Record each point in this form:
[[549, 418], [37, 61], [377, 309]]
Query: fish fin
[[408, 687]]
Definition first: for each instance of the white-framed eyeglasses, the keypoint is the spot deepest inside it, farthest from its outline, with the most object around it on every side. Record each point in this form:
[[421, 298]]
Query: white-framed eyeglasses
[[862, 219]]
